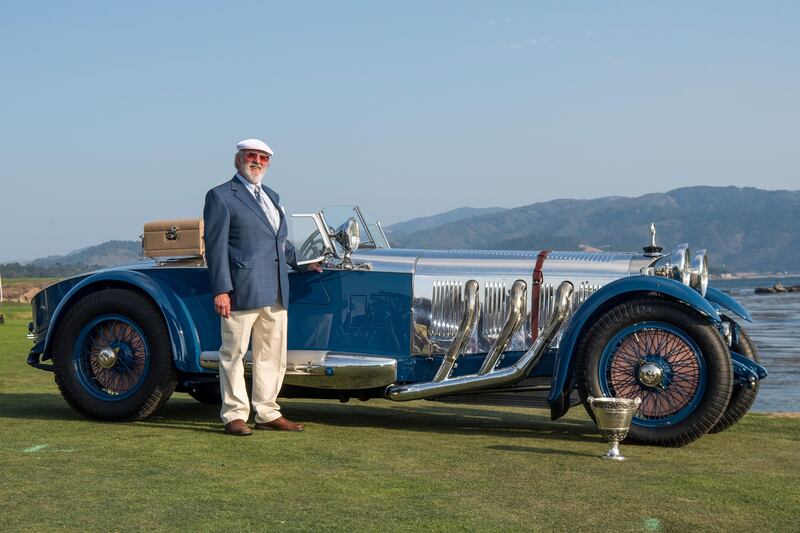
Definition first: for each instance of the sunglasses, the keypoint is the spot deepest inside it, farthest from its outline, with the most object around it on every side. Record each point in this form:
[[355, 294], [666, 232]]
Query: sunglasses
[[255, 156]]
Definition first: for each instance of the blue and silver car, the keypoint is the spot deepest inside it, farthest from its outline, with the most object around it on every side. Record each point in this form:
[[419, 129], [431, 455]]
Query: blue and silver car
[[525, 328]]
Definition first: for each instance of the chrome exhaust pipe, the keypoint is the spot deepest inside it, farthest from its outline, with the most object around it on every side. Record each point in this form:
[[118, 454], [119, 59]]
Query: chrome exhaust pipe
[[496, 378], [464, 331], [516, 302]]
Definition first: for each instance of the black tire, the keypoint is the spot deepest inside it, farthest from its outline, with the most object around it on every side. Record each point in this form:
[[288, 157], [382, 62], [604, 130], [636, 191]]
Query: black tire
[[139, 381], [742, 398], [207, 393], [694, 365]]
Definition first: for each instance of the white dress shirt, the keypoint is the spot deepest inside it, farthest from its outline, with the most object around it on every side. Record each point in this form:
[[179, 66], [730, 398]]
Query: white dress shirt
[[267, 206]]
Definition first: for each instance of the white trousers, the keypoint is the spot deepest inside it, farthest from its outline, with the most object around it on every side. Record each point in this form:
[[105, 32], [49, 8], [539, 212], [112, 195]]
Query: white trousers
[[268, 328]]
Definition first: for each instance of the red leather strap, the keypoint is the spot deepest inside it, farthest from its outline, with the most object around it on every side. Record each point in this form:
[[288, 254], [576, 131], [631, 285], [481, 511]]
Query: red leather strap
[[538, 278]]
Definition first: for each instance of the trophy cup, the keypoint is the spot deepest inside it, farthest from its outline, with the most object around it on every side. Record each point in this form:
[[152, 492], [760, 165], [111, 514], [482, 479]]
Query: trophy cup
[[613, 416]]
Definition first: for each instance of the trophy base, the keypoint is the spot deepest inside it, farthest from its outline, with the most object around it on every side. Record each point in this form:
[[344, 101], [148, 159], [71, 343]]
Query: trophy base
[[613, 457], [614, 453]]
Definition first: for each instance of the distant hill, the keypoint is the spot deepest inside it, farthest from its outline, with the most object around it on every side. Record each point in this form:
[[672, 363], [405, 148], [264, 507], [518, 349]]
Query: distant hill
[[110, 253], [423, 223], [744, 229]]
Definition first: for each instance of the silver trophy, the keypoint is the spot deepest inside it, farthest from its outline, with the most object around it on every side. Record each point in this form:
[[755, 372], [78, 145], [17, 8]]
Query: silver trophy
[[613, 417]]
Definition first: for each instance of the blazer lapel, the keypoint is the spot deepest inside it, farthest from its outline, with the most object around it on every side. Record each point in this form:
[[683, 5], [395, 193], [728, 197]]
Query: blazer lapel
[[240, 191]]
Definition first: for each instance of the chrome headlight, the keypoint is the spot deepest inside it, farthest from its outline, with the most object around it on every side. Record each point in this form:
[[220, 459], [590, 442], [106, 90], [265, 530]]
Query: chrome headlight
[[349, 235], [680, 267], [699, 272]]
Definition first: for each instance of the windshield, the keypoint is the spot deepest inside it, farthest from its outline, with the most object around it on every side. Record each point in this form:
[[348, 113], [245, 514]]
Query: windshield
[[375, 230]]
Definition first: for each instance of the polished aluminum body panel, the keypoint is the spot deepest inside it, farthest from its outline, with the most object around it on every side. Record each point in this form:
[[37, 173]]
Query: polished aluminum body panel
[[499, 377], [588, 271], [440, 277]]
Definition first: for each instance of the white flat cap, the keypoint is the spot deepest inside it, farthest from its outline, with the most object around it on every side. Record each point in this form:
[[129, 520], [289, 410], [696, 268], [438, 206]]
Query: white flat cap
[[254, 144]]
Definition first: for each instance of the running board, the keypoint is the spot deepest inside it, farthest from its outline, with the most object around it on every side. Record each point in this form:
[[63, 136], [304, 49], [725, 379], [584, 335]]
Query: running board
[[325, 370]]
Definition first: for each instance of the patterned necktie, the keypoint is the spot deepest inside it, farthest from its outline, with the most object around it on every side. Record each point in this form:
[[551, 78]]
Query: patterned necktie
[[266, 209]]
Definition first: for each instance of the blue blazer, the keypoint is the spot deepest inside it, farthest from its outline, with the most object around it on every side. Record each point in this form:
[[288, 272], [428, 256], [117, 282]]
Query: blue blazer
[[246, 257]]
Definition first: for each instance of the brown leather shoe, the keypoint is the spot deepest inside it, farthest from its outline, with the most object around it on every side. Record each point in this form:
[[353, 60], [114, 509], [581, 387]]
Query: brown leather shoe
[[280, 424], [238, 428]]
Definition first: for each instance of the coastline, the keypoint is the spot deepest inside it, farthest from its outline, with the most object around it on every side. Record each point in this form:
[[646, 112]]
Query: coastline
[[752, 275]]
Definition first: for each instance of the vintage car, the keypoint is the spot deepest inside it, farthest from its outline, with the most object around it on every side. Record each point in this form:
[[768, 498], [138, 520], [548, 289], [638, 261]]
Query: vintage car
[[524, 328]]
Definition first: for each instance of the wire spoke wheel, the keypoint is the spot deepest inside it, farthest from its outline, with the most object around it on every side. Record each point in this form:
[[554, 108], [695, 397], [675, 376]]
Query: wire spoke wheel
[[676, 378], [112, 356], [668, 355]]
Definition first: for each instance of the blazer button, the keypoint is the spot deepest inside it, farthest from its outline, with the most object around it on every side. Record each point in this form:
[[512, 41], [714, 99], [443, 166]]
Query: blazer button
[[276, 260]]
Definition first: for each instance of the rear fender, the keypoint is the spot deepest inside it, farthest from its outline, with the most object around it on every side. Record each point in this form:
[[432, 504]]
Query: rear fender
[[184, 339], [616, 291]]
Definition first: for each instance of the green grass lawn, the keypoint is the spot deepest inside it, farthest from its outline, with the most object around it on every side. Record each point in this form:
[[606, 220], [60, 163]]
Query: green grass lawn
[[372, 466]]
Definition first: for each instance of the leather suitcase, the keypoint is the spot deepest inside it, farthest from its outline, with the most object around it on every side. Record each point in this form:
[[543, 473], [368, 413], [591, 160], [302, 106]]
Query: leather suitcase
[[173, 238]]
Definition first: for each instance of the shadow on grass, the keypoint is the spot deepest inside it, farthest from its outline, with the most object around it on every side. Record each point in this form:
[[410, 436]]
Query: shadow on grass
[[182, 413], [544, 451]]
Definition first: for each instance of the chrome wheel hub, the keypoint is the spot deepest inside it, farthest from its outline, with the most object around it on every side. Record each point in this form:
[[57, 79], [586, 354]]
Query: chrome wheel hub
[[107, 357], [650, 374]]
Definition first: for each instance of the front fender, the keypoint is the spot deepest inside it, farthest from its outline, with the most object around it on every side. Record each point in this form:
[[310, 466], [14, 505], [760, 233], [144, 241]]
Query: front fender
[[720, 299], [184, 339], [563, 368]]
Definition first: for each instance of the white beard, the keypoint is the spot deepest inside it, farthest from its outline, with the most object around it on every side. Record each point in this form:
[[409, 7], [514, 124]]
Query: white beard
[[252, 175]]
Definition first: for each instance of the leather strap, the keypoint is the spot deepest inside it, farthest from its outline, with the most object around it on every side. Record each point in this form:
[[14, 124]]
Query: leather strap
[[536, 289]]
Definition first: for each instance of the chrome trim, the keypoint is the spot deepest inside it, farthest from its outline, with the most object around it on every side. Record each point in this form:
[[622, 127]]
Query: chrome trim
[[385, 260], [727, 332], [323, 231], [346, 372], [325, 370], [677, 265], [447, 308], [107, 357], [35, 336], [363, 222], [497, 378], [516, 305], [471, 310], [434, 320], [385, 238], [650, 374], [698, 278], [496, 271]]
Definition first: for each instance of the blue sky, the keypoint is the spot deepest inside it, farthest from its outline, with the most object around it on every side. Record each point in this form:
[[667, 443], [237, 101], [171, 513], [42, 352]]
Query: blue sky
[[115, 113]]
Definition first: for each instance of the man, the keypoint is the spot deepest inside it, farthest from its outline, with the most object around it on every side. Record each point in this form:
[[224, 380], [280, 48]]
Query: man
[[247, 255]]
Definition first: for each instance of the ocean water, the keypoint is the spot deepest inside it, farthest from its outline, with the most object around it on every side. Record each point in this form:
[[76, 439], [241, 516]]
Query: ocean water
[[775, 330]]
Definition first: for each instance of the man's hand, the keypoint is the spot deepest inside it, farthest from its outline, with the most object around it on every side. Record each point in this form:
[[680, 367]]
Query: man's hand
[[316, 267], [222, 305]]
